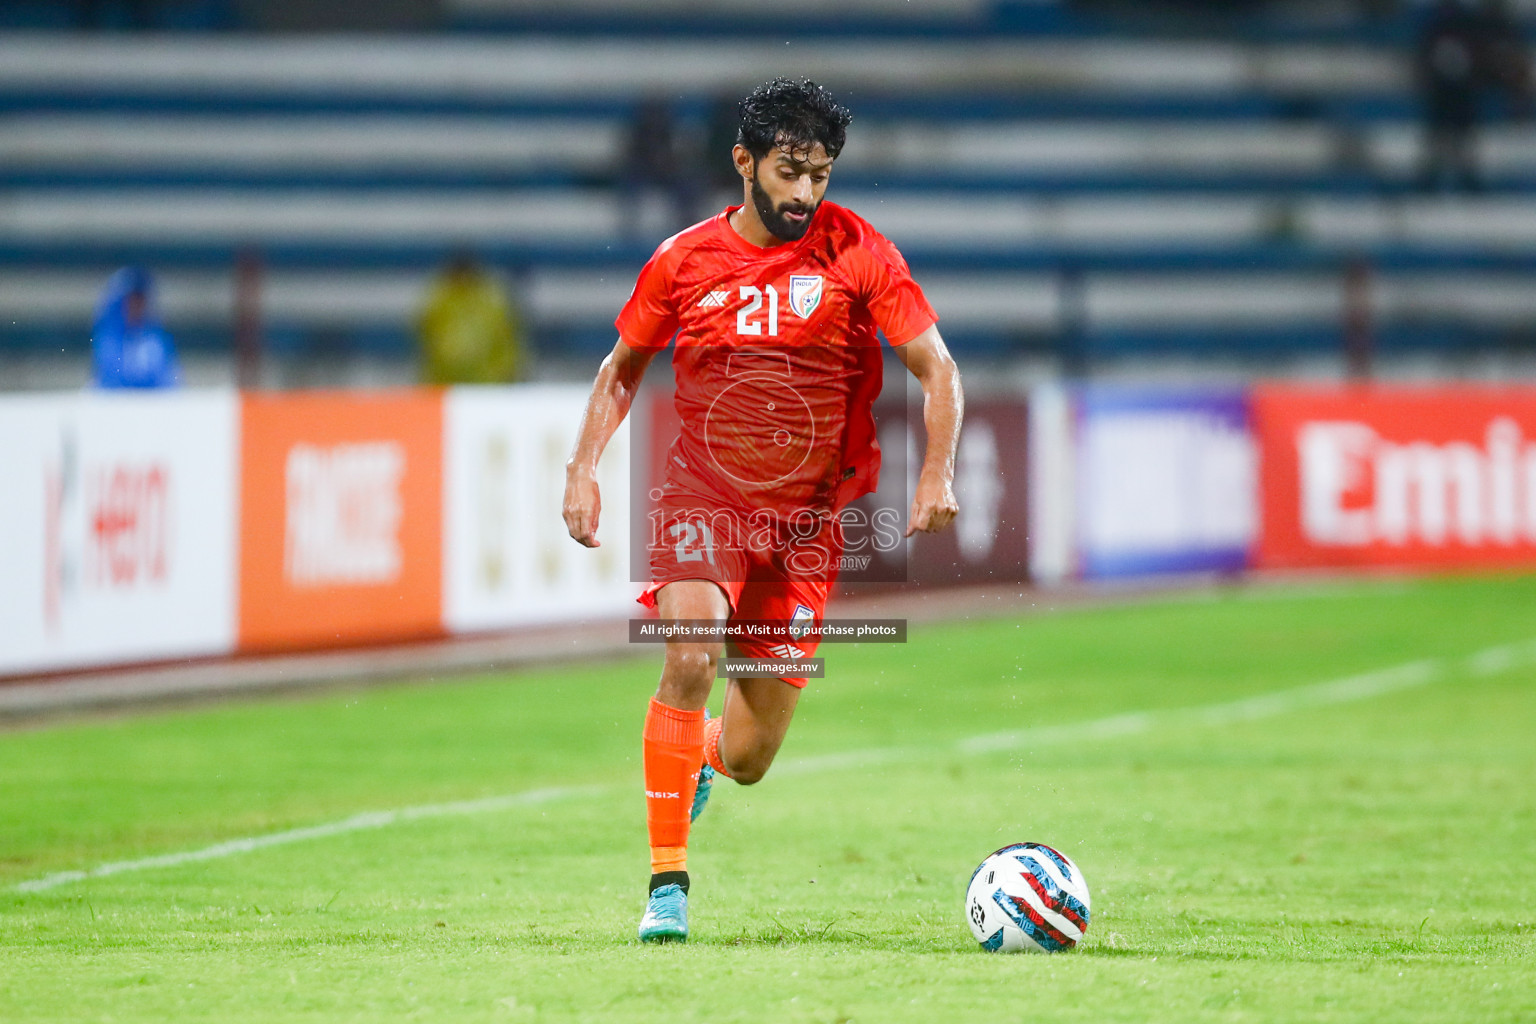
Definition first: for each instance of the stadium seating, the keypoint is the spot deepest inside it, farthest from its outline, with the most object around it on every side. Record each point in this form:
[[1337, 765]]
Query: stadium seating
[[1060, 187]]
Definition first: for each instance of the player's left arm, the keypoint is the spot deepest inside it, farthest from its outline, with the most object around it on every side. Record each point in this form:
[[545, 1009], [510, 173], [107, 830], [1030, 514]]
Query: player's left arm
[[934, 506]]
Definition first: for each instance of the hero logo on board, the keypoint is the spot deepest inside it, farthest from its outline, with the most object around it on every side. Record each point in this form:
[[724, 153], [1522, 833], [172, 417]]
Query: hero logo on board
[[1359, 489], [129, 512], [108, 527]]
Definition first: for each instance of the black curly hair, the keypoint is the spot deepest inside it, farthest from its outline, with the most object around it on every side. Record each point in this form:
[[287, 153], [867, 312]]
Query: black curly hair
[[793, 116]]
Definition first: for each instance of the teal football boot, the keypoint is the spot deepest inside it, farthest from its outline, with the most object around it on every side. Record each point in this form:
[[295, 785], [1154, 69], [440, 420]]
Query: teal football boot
[[701, 795], [666, 916], [706, 783]]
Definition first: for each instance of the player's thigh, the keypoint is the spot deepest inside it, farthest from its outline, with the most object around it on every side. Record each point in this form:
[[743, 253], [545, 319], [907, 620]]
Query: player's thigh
[[693, 599], [758, 710], [757, 714]]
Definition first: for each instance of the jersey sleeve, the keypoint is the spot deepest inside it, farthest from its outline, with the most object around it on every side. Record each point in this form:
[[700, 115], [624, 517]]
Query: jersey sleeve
[[649, 319], [898, 305]]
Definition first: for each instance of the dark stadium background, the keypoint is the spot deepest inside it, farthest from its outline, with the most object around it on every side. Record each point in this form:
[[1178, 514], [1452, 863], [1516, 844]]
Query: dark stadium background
[[1127, 214], [1175, 188]]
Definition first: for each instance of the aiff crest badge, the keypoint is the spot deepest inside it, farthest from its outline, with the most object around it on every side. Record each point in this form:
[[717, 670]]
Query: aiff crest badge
[[801, 622], [805, 294]]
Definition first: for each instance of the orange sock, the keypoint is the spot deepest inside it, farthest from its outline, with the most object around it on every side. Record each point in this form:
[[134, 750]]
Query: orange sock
[[674, 749], [712, 745]]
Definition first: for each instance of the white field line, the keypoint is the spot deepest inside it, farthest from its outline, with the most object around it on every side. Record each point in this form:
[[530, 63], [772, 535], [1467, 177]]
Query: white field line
[[1490, 661], [356, 823], [1267, 705]]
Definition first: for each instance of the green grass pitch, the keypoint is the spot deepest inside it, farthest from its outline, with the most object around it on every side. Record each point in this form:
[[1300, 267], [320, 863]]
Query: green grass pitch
[[1326, 855]]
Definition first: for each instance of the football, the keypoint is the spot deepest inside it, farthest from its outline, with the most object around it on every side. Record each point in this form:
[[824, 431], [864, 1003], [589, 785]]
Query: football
[[1027, 898]]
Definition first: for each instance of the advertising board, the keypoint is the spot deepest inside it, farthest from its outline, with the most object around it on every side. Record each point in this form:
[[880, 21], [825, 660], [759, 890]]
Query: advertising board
[[1431, 477], [1166, 481], [340, 518], [989, 540], [507, 557], [116, 528]]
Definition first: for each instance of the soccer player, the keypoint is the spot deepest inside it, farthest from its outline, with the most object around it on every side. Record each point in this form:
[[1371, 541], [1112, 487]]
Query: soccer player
[[775, 305]]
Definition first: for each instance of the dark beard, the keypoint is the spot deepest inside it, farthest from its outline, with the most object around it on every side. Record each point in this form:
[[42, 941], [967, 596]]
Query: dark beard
[[773, 218]]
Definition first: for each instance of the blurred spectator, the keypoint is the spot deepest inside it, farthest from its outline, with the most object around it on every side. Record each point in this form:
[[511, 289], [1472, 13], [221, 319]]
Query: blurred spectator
[[1509, 59], [718, 170], [469, 329], [129, 347], [656, 164], [1446, 69], [1464, 54]]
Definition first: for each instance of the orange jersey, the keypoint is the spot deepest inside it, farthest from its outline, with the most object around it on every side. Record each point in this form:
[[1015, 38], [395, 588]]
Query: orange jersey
[[778, 360]]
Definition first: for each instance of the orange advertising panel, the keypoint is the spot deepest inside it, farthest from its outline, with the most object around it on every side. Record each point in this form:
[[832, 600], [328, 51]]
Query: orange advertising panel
[[1433, 477], [340, 518]]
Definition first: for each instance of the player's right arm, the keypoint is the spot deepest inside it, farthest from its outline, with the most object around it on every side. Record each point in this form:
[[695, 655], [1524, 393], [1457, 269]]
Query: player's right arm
[[646, 325], [612, 394]]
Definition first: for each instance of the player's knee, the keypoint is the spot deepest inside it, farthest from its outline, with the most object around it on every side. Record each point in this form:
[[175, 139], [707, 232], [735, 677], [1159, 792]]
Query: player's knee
[[688, 668], [749, 770], [748, 774], [689, 661]]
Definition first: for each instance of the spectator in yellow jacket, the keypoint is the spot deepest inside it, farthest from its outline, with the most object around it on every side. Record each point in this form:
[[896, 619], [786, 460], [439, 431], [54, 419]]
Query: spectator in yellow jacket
[[468, 328]]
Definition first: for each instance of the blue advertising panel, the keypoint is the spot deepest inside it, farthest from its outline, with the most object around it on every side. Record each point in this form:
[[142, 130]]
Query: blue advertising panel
[[1167, 481]]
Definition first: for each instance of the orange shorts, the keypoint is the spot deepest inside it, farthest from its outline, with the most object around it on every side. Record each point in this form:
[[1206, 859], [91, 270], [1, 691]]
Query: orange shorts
[[782, 572]]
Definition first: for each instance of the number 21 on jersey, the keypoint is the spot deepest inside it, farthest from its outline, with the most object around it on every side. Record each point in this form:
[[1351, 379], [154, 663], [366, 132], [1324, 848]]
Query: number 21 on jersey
[[749, 318]]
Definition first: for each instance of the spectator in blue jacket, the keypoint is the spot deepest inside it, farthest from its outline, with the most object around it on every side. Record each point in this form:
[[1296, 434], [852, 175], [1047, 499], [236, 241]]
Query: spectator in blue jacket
[[129, 347]]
